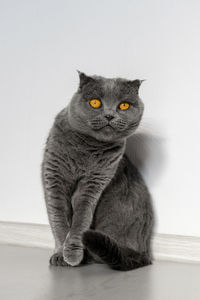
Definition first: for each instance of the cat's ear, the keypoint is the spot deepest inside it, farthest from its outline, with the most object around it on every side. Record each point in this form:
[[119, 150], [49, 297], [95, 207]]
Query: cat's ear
[[84, 79], [136, 84]]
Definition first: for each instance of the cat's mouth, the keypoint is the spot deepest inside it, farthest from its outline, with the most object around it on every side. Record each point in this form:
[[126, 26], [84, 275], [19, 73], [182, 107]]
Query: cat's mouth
[[97, 126], [107, 127]]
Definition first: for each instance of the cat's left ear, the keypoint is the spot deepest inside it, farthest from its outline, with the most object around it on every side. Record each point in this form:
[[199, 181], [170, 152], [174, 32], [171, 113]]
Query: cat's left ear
[[84, 79], [136, 84]]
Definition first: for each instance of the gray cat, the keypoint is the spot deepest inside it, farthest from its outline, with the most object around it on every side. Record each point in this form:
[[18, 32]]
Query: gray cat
[[98, 205]]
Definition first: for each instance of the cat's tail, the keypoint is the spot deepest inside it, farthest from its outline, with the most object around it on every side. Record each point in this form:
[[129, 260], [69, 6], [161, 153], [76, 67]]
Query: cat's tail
[[117, 257]]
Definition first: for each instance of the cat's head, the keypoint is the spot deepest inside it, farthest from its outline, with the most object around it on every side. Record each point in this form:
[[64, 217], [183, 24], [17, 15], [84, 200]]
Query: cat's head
[[106, 109]]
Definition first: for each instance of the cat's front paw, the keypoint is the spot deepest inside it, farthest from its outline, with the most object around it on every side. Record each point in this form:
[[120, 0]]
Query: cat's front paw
[[73, 251], [57, 259]]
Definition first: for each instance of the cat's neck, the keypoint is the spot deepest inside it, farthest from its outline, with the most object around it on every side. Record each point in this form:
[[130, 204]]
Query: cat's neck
[[94, 143]]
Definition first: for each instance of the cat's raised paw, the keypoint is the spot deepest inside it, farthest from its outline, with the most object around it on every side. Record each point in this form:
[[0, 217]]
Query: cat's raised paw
[[57, 259]]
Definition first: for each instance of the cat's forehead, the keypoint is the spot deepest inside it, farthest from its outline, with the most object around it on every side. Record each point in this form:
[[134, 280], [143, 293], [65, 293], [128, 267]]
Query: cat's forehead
[[111, 85]]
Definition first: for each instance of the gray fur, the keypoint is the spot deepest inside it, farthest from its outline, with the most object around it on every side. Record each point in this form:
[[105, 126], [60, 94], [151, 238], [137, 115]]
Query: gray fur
[[88, 181]]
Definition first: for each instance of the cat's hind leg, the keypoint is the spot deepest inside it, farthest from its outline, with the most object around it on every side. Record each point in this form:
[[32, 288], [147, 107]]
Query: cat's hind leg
[[122, 224]]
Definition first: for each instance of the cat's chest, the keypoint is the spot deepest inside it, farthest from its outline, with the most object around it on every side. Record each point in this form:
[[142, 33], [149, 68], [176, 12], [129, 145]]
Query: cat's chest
[[86, 160]]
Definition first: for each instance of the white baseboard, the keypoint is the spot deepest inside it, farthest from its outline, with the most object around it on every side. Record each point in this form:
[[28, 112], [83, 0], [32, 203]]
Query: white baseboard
[[26, 234], [165, 246]]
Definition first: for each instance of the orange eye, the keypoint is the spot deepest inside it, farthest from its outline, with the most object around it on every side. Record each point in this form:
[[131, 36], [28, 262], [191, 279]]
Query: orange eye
[[95, 103], [124, 105]]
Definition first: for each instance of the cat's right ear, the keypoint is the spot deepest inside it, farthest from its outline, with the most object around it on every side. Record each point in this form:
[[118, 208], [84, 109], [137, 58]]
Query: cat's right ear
[[84, 79], [136, 84]]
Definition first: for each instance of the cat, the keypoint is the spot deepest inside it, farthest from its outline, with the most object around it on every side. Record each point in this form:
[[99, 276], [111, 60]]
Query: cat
[[98, 205]]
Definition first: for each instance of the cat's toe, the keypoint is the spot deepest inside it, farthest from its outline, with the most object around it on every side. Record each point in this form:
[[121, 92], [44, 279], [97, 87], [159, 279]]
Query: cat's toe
[[57, 259]]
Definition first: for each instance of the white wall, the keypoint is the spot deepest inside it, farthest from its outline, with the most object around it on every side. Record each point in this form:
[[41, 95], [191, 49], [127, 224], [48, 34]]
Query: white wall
[[44, 42]]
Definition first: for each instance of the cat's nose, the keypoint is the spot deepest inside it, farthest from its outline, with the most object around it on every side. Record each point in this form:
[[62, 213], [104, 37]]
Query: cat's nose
[[109, 117]]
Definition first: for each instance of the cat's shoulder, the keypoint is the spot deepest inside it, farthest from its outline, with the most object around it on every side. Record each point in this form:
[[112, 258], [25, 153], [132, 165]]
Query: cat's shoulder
[[60, 132], [128, 167]]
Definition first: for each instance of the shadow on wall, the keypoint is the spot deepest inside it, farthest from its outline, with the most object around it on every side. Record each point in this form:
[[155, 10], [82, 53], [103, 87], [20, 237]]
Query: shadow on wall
[[147, 151]]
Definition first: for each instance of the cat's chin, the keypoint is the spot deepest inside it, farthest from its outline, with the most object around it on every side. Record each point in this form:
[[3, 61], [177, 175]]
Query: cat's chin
[[107, 134]]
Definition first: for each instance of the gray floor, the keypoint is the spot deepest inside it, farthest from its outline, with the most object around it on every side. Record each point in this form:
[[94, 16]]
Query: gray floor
[[25, 275]]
